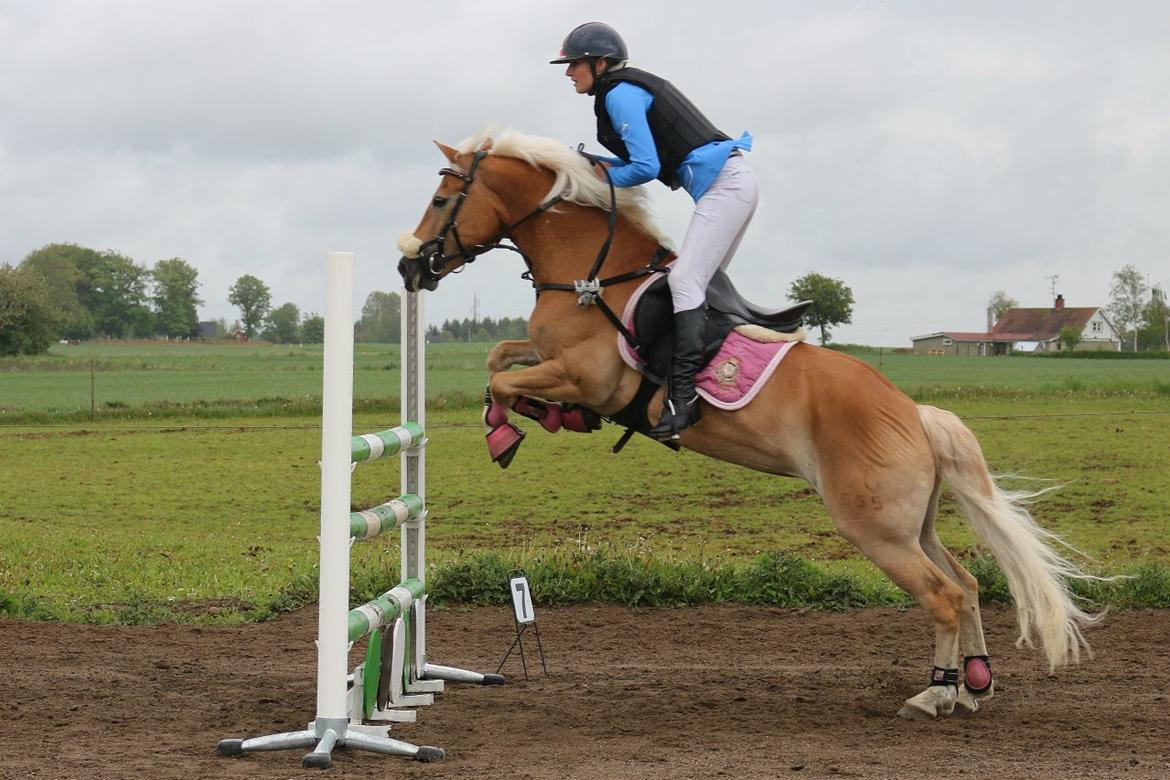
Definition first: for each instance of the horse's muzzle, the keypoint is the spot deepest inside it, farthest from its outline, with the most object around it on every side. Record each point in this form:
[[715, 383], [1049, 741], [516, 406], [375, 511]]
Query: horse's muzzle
[[416, 275]]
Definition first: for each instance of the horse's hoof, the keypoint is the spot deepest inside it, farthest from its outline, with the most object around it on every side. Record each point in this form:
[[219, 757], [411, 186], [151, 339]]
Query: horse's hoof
[[966, 703], [503, 443], [915, 712], [929, 704]]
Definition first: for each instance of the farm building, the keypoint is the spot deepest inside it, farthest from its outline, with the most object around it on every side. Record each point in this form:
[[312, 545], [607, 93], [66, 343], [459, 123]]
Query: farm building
[[951, 342], [1039, 326]]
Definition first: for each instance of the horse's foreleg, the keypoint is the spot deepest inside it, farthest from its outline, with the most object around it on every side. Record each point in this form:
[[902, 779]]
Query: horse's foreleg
[[547, 379], [510, 353]]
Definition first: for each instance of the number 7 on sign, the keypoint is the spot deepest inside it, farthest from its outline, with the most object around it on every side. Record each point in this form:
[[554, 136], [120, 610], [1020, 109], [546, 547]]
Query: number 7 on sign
[[522, 600]]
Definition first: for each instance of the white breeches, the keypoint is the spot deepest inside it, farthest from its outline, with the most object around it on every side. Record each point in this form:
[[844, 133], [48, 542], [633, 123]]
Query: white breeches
[[721, 218]]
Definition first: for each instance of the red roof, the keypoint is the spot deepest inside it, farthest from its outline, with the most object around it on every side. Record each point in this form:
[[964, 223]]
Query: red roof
[[1040, 324]]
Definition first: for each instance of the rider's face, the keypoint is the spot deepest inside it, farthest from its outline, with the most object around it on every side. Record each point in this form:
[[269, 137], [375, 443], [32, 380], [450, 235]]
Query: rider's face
[[581, 76]]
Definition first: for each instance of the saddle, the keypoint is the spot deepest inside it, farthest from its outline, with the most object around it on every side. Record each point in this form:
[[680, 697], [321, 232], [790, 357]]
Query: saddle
[[726, 309], [653, 329]]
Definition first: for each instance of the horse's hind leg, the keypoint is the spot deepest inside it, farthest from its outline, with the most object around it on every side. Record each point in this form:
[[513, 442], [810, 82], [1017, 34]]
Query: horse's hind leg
[[910, 568], [972, 645], [887, 540]]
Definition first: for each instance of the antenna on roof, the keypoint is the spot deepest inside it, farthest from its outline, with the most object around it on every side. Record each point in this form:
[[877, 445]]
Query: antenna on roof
[[1052, 279]]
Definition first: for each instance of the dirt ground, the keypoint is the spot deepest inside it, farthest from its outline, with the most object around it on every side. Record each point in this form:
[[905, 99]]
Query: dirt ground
[[734, 692]]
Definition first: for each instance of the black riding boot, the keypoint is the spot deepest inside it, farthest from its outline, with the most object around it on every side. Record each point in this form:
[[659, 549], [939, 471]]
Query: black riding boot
[[681, 408]]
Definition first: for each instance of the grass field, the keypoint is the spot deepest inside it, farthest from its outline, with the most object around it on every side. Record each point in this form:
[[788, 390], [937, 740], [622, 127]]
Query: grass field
[[100, 519], [118, 377]]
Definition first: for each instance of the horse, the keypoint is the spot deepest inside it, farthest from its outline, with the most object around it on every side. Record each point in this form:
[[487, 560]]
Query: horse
[[876, 458]]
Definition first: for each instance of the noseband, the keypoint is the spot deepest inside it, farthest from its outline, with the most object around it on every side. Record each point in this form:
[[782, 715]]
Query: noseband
[[431, 252]]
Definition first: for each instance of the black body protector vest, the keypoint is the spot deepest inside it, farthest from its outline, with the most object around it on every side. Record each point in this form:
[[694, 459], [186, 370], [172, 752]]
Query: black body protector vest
[[677, 125]]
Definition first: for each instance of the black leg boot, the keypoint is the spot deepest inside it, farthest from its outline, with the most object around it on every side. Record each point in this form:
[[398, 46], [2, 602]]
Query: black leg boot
[[681, 408]]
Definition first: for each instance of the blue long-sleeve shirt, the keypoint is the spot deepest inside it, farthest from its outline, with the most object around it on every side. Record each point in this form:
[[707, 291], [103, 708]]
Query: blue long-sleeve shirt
[[627, 105]]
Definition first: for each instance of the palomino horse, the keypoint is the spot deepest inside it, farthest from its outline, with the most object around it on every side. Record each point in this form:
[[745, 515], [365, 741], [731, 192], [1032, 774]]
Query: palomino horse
[[876, 458]]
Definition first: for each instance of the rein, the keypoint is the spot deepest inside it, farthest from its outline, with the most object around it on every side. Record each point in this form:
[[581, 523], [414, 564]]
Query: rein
[[587, 290]]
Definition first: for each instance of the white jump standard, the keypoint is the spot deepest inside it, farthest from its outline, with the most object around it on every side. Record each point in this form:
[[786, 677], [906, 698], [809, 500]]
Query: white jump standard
[[354, 710]]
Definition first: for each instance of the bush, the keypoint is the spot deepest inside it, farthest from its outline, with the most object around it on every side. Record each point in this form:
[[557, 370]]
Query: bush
[[608, 575]]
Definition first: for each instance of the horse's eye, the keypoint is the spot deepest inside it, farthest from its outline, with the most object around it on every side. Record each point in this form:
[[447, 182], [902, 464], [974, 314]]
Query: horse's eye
[[439, 202]]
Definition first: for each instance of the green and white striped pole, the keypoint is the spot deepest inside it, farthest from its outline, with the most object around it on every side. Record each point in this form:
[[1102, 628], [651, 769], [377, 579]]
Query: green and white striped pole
[[372, 446], [384, 610], [371, 522]]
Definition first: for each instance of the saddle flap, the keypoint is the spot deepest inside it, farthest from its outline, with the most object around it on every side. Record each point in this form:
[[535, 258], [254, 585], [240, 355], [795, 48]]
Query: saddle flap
[[726, 309]]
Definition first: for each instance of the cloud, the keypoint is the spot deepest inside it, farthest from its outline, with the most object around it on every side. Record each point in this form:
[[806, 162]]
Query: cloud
[[927, 154]]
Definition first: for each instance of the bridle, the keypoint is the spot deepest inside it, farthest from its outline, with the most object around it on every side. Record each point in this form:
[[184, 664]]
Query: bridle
[[588, 290], [432, 254]]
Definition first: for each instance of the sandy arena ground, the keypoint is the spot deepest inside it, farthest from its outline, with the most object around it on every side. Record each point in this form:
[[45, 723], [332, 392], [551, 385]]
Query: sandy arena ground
[[735, 692]]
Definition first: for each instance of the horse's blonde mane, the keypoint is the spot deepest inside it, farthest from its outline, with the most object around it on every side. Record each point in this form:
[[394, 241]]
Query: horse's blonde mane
[[575, 180]]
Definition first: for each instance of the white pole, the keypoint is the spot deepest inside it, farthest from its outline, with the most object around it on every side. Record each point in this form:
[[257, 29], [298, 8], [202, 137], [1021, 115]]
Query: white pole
[[336, 432]]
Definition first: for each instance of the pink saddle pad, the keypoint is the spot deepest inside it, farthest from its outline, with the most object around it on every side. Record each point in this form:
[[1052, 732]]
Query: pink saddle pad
[[739, 370]]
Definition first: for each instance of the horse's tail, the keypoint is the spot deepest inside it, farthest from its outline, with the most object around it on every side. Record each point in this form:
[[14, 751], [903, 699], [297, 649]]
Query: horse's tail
[[1036, 574]]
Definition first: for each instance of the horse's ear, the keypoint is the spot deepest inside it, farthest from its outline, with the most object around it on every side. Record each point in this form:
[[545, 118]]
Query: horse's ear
[[486, 146], [447, 151]]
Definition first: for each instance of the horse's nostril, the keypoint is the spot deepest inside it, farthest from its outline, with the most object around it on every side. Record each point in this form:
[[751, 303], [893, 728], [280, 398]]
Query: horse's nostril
[[407, 281]]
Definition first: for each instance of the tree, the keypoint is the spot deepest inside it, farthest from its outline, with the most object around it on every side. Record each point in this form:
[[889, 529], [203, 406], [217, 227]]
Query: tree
[[381, 319], [59, 265], [832, 301], [1000, 302], [113, 289], [313, 329], [175, 298], [28, 319], [512, 328], [1070, 337], [284, 325], [1127, 300], [1155, 330], [222, 331], [253, 299]]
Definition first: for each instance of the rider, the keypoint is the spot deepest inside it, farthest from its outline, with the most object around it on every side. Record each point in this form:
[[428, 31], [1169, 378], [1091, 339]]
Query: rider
[[657, 133]]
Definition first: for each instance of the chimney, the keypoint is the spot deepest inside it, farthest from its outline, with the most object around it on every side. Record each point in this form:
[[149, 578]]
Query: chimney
[[1059, 304], [990, 319]]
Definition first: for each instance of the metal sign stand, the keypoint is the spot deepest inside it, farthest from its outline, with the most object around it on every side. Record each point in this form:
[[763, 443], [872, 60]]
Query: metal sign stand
[[525, 616]]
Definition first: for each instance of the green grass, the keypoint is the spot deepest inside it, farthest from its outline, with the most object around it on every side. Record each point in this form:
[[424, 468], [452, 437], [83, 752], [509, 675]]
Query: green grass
[[183, 379], [947, 377], [158, 511], [103, 519], [121, 380]]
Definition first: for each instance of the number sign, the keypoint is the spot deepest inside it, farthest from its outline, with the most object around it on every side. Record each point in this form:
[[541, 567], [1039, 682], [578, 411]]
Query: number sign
[[521, 600]]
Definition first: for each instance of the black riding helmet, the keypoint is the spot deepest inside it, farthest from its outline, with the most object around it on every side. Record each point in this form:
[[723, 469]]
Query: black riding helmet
[[592, 40]]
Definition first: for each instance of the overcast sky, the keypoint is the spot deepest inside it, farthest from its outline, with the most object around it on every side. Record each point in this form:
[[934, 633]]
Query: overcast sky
[[927, 154]]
